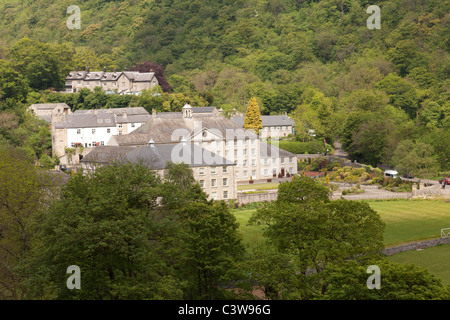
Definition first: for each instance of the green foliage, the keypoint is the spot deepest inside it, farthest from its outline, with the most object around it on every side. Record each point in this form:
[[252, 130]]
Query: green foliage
[[23, 192], [298, 147], [253, 117], [319, 234], [133, 240], [398, 282]]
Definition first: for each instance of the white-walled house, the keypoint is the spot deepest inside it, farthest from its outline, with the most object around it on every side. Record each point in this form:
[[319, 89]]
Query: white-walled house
[[216, 134], [92, 128], [276, 126]]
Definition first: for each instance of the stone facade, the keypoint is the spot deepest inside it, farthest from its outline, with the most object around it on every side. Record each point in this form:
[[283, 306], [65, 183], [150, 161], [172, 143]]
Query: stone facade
[[124, 82], [218, 181], [45, 111], [218, 135]]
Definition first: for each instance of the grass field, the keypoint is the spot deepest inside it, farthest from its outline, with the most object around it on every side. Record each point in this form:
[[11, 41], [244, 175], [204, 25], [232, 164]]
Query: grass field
[[258, 186], [412, 220], [406, 220], [435, 259]]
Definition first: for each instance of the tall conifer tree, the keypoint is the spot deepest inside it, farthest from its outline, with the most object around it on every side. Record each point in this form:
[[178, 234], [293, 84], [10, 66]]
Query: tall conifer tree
[[253, 116]]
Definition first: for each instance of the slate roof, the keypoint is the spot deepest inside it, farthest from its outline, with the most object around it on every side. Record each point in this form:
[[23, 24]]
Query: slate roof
[[139, 76], [203, 109], [93, 118], [48, 106], [117, 111], [155, 156], [86, 120], [268, 121], [168, 128], [110, 76]]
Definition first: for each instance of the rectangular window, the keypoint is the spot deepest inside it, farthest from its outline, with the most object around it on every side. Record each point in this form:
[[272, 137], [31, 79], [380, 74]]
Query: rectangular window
[[253, 162], [266, 161], [245, 152], [133, 125], [244, 163], [253, 152], [266, 172], [214, 195], [78, 131], [292, 160], [93, 131], [245, 173], [108, 130], [201, 171], [225, 194], [225, 181], [282, 160], [213, 170], [202, 183], [120, 132], [213, 182], [224, 169], [253, 173], [72, 144]]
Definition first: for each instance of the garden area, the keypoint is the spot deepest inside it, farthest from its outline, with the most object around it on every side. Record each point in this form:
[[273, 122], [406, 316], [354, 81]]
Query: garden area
[[337, 171]]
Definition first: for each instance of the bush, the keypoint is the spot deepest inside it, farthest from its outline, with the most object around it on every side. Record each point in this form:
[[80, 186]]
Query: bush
[[299, 147]]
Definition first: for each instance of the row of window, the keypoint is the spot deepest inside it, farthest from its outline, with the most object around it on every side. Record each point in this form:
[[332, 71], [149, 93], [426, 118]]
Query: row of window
[[214, 195], [266, 173], [214, 182], [108, 130], [201, 171], [92, 144], [276, 128]]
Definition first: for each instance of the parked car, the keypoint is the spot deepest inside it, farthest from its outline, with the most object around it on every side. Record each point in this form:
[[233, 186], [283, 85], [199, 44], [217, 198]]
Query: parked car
[[445, 181], [391, 174]]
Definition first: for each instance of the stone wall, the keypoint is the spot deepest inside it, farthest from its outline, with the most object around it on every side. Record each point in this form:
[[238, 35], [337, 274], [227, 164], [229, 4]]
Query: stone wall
[[435, 191], [245, 198], [416, 245]]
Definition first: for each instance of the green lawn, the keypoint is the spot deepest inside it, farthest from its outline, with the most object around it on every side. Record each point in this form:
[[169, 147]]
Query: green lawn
[[406, 220], [435, 259], [251, 234], [412, 220], [258, 186]]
